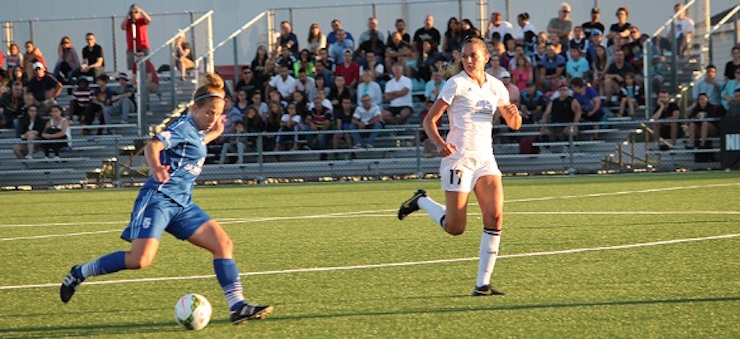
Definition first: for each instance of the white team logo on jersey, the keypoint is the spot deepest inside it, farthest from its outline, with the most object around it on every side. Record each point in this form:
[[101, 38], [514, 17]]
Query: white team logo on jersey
[[483, 110]]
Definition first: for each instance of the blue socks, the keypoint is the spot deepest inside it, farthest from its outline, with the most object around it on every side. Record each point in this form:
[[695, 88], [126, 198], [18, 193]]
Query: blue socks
[[110, 263], [228, 277]]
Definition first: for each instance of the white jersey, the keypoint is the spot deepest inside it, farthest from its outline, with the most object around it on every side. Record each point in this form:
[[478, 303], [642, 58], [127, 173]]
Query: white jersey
[[470, 112]]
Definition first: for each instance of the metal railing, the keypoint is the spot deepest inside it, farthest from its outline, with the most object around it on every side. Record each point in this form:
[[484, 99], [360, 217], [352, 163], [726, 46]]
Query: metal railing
[[707, 50]]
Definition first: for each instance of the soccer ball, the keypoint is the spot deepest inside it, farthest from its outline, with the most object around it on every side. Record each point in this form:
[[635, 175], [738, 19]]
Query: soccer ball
[[193, 311]]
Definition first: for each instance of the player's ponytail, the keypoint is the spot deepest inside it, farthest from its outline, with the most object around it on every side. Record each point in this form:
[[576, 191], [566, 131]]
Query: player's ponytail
[[214, 88]]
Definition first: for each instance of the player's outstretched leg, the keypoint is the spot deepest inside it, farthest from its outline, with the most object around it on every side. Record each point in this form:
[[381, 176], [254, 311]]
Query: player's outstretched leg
[[106, 264], [411, 205]]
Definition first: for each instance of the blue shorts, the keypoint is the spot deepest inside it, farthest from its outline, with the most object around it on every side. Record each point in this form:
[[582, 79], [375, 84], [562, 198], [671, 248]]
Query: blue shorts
[[155, 212]]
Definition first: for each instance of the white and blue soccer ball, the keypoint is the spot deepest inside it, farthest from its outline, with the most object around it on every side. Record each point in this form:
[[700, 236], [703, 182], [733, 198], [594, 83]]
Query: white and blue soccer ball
[[193, 311]]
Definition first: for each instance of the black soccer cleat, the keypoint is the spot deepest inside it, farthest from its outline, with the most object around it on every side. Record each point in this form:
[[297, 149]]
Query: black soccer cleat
[[70, 285], [250, 312], [411, 205], [486, 290]]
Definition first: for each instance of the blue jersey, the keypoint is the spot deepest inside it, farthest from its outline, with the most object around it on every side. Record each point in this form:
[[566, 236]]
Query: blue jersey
[[185, 152]]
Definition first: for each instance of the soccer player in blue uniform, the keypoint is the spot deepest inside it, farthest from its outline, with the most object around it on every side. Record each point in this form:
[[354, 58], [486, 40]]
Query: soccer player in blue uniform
[[175, 158]]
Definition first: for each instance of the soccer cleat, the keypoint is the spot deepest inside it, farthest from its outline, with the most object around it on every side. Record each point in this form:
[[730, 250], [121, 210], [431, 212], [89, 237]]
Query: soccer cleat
[[411, 205], [485, 290], [250, 312], [70, 285]]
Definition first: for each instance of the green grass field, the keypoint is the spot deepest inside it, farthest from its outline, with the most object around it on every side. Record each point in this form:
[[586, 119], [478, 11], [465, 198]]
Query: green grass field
[[592, 256]]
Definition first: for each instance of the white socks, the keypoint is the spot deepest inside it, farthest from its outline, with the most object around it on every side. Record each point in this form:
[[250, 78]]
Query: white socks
[[435, 210], [489, 243]]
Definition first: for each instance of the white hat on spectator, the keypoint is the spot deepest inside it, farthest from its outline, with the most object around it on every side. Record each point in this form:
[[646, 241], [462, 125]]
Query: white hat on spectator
[[505, 74], [122, 75], [37, 65]]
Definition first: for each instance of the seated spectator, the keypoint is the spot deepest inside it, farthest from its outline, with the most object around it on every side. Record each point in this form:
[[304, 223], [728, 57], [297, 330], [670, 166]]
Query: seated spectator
[[253, 123], [287, 38], [394, 50], [93, 63], [43, 86], [247, 82], [283, 83], [589, 100], [18, 74], [494, 66], [81, 107], [316, 40], [343, 125], [631, 95], [710, 86], [427, 32], [398, 93], [271, 125], [561, 25], [102, 97], [577, 66], [12, 106], [338, 48], [579, 41], [468, 29], [507, 58], [372, 28], [703, 109], [321, 94], [319, 84], [524, 26], [367, 116], [349, 70], [665, 110], [338, 92], [375, 46], [563, 110], [427, 60], [183, 56], [290, 121], [152, 79], [336, 26], [14, 58], [370, 88], [287, 58], [301, 102], [453, 37], [232, 114], [614, 77], [599, 66], [304, 84], [306, 63], [734, 110], [551, 73], [322, 71], [32, 56], [234, 143], [432, 88], [497, 25], [730, 66], [67, 60], [684, 29], [728, 91], [57, 128], [372, 64], [401, 30], [531, 104], [513, 90], [522, 73], [320, 119], [121, 103], [259, 63], [259, 105], [31, 126]]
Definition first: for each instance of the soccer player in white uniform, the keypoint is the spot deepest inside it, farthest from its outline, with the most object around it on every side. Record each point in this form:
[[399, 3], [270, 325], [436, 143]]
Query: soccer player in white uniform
[[470, 98]]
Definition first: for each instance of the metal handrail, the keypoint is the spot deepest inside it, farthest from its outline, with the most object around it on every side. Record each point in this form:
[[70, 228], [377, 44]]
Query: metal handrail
[[675, 15], [706, 48]]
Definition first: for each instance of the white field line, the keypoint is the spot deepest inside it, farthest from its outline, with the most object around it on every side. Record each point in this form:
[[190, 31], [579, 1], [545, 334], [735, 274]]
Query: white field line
[[59, 235], [227, 221], [396, 264]]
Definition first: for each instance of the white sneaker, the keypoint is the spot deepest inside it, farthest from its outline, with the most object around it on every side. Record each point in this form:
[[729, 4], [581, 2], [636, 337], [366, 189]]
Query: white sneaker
[[29, 157]]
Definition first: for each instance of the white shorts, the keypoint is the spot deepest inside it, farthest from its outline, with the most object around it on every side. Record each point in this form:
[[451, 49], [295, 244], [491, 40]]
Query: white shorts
[[461, 174]]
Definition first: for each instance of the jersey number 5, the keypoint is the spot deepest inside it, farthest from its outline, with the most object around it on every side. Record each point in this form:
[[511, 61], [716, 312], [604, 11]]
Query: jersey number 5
[[455, 173]]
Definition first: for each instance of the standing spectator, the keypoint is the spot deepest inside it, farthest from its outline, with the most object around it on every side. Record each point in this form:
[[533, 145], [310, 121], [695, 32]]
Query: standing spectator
[[43, 86], [631, 95], [433, 87], [102, 97], [183, 55], [728, 92], [709, 86], [57, 128], [81, 107], [290, 121], [67, 60], [343, 125], [561, 25], [338, 48], [453, 37], [31, 126], [136, 25], [599, 66], [621, 28], [234, 143], [614, 77], [522, 73], [524, 26], [576, 67], [14, 58], [563, 110], [316, 40], [32, 56], [589, 27], [336, 25], [703, 109], [283, 83], [684, 29], [532, 104], [93, 63], [553, 66], [370, 88], [12, 106], [372, 27], [253, 123], [259, 63], [427, 32], [287, 38], [401, 30], [367, 116], [734, 110], [152, 79], [320, 119], [398, 92], [733, 64], [665, 110], [497, 24], [589, 100], [121, 102], [349, 70]]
